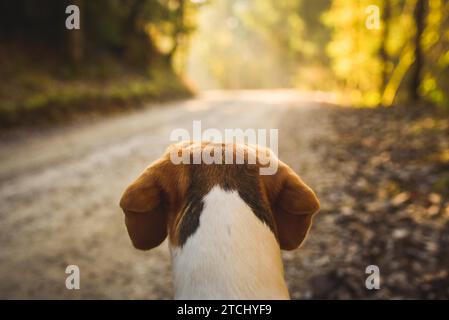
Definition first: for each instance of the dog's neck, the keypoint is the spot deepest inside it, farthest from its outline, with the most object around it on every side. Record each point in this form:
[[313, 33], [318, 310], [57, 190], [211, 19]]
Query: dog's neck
[[231, 255]]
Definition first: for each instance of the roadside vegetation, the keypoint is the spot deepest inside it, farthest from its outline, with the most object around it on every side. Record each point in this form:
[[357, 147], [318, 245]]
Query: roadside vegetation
[[123, 55]]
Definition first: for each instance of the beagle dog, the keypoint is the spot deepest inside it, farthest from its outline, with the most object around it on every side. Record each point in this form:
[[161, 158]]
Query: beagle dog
[[226, 223]]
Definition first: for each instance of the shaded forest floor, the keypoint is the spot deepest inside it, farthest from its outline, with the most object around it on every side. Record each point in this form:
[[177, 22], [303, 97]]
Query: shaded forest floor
[[50, 92], [387, 205]]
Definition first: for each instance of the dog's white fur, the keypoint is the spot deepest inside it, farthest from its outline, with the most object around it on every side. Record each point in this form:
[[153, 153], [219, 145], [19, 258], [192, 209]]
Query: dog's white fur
[[232, 255]]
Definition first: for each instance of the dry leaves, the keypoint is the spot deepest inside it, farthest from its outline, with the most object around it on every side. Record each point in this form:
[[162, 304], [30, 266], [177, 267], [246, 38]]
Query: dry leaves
[[398, 215]]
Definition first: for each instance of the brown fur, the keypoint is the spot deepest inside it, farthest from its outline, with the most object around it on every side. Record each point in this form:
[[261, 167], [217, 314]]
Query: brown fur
[[166, 198]]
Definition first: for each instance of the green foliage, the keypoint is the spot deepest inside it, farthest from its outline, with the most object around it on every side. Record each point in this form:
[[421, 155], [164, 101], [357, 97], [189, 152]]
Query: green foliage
[[317, 45], [436, 43], [54, 100], [325, 45], [117, 57], [106, 25], [355, 51]]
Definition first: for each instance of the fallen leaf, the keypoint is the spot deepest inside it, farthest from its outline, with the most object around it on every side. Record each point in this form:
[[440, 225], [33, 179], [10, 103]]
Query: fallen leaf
[[400, 199]]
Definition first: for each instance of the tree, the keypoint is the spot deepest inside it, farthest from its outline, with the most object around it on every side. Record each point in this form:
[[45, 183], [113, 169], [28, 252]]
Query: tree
[[419, 15], [75, 41], [383, 54]]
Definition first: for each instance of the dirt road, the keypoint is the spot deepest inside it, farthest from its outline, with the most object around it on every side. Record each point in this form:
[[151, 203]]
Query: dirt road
[[59, 193]]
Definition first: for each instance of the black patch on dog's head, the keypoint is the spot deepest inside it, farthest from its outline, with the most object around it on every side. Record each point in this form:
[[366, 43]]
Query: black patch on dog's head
[[243, 178]]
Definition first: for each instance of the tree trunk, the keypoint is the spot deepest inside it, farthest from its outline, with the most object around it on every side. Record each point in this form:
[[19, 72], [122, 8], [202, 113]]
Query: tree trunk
[[383, 46], [415, 83], [76, 40], [179, 30], [138, 48]]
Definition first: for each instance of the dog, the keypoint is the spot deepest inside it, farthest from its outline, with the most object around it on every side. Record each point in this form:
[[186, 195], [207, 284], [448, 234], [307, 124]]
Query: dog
[[226, 223]]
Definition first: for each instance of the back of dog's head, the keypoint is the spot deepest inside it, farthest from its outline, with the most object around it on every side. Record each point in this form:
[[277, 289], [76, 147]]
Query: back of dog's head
[[166, 199]]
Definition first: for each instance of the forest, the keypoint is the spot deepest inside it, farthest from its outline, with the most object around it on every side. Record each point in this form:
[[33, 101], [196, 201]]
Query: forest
[[329, 45], [112, 61], [138, 50]]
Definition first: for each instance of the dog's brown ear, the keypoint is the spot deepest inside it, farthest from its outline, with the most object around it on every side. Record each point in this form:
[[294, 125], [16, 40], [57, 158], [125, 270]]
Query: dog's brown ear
[[293, 204], [147, 204]]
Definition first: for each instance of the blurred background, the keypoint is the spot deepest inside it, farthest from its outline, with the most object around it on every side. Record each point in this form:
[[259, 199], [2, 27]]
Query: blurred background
[[358, 88]]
